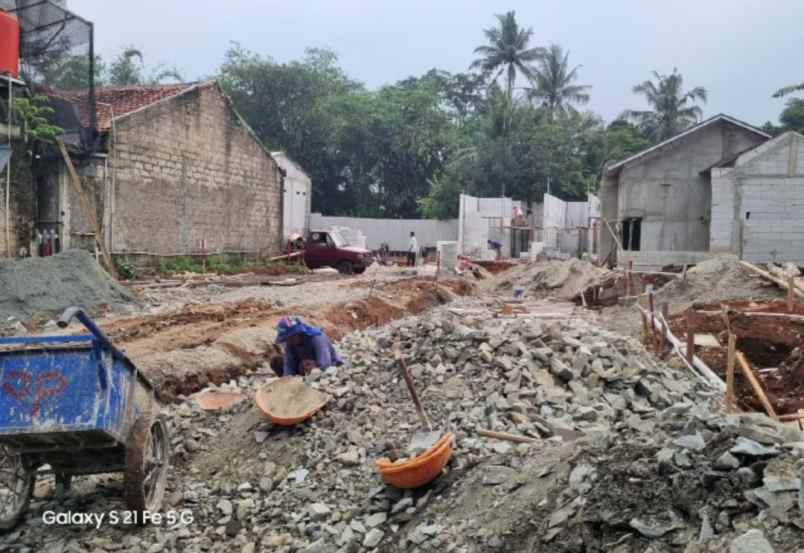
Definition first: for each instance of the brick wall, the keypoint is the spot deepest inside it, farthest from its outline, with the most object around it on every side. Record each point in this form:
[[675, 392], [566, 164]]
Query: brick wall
[[188, 170]]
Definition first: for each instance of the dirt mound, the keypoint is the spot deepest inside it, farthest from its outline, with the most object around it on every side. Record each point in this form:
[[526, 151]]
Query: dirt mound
[[560, 279], [47, 285]]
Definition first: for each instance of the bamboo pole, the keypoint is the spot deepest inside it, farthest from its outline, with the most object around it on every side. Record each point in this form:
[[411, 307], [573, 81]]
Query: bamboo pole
[[731, 404], [87, 207], [697, 366], [791, 286]]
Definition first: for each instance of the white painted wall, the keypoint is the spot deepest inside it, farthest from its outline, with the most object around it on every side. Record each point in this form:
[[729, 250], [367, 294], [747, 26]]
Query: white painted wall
[[297, 196], [394, 232]]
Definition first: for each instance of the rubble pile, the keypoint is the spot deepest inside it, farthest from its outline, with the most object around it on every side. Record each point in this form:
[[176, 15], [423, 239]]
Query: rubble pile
[[625, 454]]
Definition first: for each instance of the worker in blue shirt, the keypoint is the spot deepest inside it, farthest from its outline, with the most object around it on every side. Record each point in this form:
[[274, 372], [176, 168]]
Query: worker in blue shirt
[[305, 347]]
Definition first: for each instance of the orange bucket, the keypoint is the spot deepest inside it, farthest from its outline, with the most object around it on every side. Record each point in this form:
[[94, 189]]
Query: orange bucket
[[289, 401], [419, 470]]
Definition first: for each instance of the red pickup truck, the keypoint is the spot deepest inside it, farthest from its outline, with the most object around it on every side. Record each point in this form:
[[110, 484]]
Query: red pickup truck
[[327, 248]]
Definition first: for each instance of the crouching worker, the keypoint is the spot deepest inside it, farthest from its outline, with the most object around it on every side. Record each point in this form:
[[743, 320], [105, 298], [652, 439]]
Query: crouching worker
[[305, 348]]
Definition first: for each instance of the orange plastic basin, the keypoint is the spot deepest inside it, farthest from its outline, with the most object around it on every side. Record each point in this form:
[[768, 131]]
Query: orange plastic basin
[[288, 401], [420, 470]]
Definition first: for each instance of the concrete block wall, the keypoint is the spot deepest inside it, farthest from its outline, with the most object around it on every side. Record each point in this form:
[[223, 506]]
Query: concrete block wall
[[187, 170], [668, 192], [724, 235], [772, 214], [655, 260]]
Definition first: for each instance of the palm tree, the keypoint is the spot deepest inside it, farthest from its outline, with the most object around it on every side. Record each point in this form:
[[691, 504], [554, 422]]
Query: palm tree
[[672, 109], [788, 90], [553, 80], [508, 50]]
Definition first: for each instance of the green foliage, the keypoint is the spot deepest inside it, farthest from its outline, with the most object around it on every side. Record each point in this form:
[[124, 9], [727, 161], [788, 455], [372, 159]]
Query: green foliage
[[184, 264], [33, 117], [554, 86], [125, 269], [71, 72], [508, 50], [623, 140], [128, 68], [672, 109], [784, 91], [792, 117]]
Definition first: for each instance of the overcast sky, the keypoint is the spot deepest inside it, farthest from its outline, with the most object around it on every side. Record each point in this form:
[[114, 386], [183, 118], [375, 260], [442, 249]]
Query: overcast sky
[[740, 50]]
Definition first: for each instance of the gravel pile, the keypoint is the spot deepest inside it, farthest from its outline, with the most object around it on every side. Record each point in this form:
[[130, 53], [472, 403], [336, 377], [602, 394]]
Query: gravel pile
[[45, 286]]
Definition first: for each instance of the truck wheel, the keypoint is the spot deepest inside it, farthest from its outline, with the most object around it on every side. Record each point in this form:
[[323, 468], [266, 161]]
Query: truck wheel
[[16, 489], [360, 270], [345, 267], [147, 464]]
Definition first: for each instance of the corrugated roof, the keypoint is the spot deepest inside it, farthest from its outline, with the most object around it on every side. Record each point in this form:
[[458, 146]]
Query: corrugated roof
[[715, 119]]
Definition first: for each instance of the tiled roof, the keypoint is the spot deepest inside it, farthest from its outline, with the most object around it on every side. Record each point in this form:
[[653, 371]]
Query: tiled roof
[[120, 100], [115, 101]]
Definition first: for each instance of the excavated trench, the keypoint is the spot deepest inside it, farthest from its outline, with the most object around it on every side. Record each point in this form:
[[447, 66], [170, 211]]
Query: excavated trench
[[769, 335], [185, 351]]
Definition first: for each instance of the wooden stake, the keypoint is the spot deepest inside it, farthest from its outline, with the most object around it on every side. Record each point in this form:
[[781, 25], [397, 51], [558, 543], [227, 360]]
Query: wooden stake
[[755, 384], [665, 309], [791, 286], [690, 337], [731, 403]]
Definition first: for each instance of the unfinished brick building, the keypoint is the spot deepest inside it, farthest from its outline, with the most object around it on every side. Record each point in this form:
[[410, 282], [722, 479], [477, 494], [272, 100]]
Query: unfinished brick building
[[179, 172]]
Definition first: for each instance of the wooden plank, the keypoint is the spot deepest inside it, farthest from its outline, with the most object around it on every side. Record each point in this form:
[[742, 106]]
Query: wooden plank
[[755, 384], [731, 403]]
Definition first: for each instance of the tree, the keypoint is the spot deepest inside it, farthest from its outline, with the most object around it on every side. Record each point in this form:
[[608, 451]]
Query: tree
[[623, 140], [788, 90], [129, 69], [792, 117], [553, 81], [672, 108], [508, 50], [72, 72]]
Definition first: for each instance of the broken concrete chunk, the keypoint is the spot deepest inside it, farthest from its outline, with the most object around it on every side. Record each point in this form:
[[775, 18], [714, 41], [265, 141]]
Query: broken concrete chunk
[[750, 448], [373, 538], [753, 541], [727, 461], [561, 370], [654, 529]]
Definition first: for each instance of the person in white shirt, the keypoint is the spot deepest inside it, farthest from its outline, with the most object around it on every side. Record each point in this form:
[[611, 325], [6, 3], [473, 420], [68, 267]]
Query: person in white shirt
[[413, 249]]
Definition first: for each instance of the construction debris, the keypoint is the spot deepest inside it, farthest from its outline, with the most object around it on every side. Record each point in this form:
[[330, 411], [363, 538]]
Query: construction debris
[[568, 437]]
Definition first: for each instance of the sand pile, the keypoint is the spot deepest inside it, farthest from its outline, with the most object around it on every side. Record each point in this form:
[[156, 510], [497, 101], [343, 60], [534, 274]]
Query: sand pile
[[559, 279], [48, 285]]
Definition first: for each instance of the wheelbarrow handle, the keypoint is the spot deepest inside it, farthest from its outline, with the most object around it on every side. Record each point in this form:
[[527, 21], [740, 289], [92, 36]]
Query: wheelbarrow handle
[[77, 313]]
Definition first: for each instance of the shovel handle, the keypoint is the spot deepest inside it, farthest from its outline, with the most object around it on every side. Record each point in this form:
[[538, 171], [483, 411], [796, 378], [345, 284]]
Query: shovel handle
[[413, 394]]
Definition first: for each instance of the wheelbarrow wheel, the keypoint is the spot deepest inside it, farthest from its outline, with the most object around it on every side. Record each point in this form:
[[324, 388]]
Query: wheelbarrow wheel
[[147, 464], [16, 488]]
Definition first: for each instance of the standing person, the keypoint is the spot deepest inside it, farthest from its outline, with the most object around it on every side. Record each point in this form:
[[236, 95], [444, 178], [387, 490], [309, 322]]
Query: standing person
[[306, 347], [413, 249]]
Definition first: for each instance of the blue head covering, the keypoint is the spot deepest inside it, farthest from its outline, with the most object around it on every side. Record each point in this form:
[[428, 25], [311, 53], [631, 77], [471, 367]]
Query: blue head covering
[[292, 326]]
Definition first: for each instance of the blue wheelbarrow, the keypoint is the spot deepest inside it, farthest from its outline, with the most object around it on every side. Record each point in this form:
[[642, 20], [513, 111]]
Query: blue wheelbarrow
[[77, 405]]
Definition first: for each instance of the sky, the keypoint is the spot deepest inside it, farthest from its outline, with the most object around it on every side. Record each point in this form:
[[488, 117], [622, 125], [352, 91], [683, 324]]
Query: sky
[[739, 50]]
